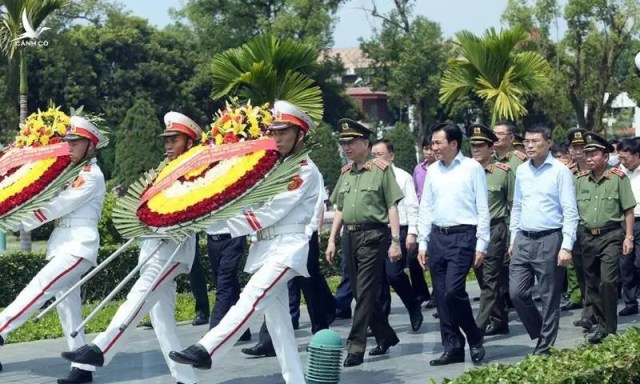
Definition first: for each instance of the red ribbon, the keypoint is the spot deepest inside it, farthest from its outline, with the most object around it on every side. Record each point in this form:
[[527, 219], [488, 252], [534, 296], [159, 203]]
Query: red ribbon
[[16, 158], [206, 157]]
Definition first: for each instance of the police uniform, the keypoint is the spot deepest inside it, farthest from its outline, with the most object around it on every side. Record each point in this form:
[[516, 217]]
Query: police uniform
[[364, 197], [602, 203], [513, 159], [160, 304], [518, 142], [279, 255], [500, 184], [72, 248], [575, 275]]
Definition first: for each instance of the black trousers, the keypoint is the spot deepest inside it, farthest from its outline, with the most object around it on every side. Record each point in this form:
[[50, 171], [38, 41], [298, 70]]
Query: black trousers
[[493, 272], [630, 271], [365, 265], [198, 282], [224, 258], [394, 276], [450, 258]]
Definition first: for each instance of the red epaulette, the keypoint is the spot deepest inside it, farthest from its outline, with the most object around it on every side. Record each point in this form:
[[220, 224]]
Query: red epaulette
[[346, 167], [86, 168], [502, 166], [618, 172], [583, 173], [520, 155], [381, 164], [304, 162], [572, 166]]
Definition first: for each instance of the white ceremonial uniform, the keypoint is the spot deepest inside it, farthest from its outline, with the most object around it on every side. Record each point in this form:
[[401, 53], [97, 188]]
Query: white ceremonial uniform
[[72, 250], [407, 207], [279, 255]]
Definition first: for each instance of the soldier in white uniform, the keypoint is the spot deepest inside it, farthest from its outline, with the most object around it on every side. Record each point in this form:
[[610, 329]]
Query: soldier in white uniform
[[72, 249], [181, 133], [279, 255]]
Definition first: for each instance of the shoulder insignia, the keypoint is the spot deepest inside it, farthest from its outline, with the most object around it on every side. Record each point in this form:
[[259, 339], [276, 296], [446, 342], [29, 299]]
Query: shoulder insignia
[[520, 155], [381, 164], [346, 168], [78, 182], [87, 167], [583, 173], [489, 168], [304, 162], [618, 172], [296, 182], [502, 166]]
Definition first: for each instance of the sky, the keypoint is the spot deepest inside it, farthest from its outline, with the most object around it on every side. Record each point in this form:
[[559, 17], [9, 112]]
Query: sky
[[354, 22]]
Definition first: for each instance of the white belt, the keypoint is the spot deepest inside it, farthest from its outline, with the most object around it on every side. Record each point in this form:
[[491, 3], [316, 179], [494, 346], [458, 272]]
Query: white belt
[[273, 231], [69, 222]]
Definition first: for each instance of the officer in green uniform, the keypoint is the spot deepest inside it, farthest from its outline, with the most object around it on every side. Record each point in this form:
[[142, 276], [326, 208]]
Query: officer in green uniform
[[575, 275], [504, 151], [518, 143], [492, 315], [366, 198], [605, 200]]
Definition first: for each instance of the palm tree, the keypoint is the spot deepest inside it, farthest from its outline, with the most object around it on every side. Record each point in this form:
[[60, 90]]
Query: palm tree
[[266, 69], [496, 70], [10, 28]]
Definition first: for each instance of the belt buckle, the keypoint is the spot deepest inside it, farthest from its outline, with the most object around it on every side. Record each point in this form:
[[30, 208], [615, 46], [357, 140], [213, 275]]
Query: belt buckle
[[352, 227], [595, 231], [444, 230]]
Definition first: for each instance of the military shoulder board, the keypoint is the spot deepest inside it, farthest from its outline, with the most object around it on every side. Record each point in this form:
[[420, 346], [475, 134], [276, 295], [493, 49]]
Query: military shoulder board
[[583, 173], [618, 172], [381, 164], [346, 168], [502, 166], [520, 155]]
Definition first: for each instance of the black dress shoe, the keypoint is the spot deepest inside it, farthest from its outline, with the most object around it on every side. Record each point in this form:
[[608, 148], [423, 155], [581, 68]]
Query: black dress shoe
[[448, 358], [259, 350], [570, 306], [345, 315], [585, 323], [477, 352], [382, 349], [194, 355], [77, 376], [597, 337], [492, 330], [628, 310], [430, 304], [87, 354], [352, 360], [416, 319], [200, 319], [246, 336]]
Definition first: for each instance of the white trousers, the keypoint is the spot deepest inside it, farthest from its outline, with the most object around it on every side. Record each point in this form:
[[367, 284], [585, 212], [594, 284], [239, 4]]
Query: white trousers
[[265, 292], [161, 306], [60, 274]]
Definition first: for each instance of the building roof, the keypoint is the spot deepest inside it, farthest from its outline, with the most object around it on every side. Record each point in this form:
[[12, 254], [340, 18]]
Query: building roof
[[365, 93], [352, 58]]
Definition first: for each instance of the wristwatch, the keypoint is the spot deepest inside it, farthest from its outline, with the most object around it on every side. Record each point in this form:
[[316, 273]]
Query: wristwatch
[[395, 239], [630, 237]]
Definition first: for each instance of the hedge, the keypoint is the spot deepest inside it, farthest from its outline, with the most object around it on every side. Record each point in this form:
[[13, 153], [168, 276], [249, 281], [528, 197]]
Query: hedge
[[615, 361], [17, 268]]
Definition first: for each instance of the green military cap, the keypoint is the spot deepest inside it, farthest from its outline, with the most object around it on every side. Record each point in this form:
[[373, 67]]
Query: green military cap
[[576, 136], [596, 142], [518, 140], [351, 130], [478, 133]]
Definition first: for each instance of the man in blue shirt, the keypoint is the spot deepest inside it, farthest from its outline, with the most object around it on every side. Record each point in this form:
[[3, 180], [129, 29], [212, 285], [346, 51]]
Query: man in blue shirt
[[451, 241], [544, 219]]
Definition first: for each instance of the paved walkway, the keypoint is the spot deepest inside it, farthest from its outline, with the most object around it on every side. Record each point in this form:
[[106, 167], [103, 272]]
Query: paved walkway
[[140, 360]]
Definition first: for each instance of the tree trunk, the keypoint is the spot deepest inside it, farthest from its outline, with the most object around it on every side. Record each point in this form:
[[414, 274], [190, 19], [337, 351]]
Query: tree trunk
[[25, 237]]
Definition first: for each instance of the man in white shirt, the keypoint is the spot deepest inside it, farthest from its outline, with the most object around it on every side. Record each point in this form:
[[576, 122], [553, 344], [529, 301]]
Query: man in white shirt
[[629, 154], [453, 234], [408, 212]]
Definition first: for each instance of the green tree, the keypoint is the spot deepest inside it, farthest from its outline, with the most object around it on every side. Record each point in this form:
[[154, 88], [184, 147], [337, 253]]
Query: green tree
[[407, 59], [267, 69], [498, 72], [138, 147], [327, 156], [404, 147]]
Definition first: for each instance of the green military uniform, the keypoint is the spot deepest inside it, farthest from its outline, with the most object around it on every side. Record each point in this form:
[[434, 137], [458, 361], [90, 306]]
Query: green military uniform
[[493, 275], [575, 275], [513, 159], [601, 205], [364, 196]]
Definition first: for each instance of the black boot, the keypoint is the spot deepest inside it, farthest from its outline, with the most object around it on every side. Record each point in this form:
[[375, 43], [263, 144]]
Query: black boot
[[77, 376], [195, 355], [87, 354]]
